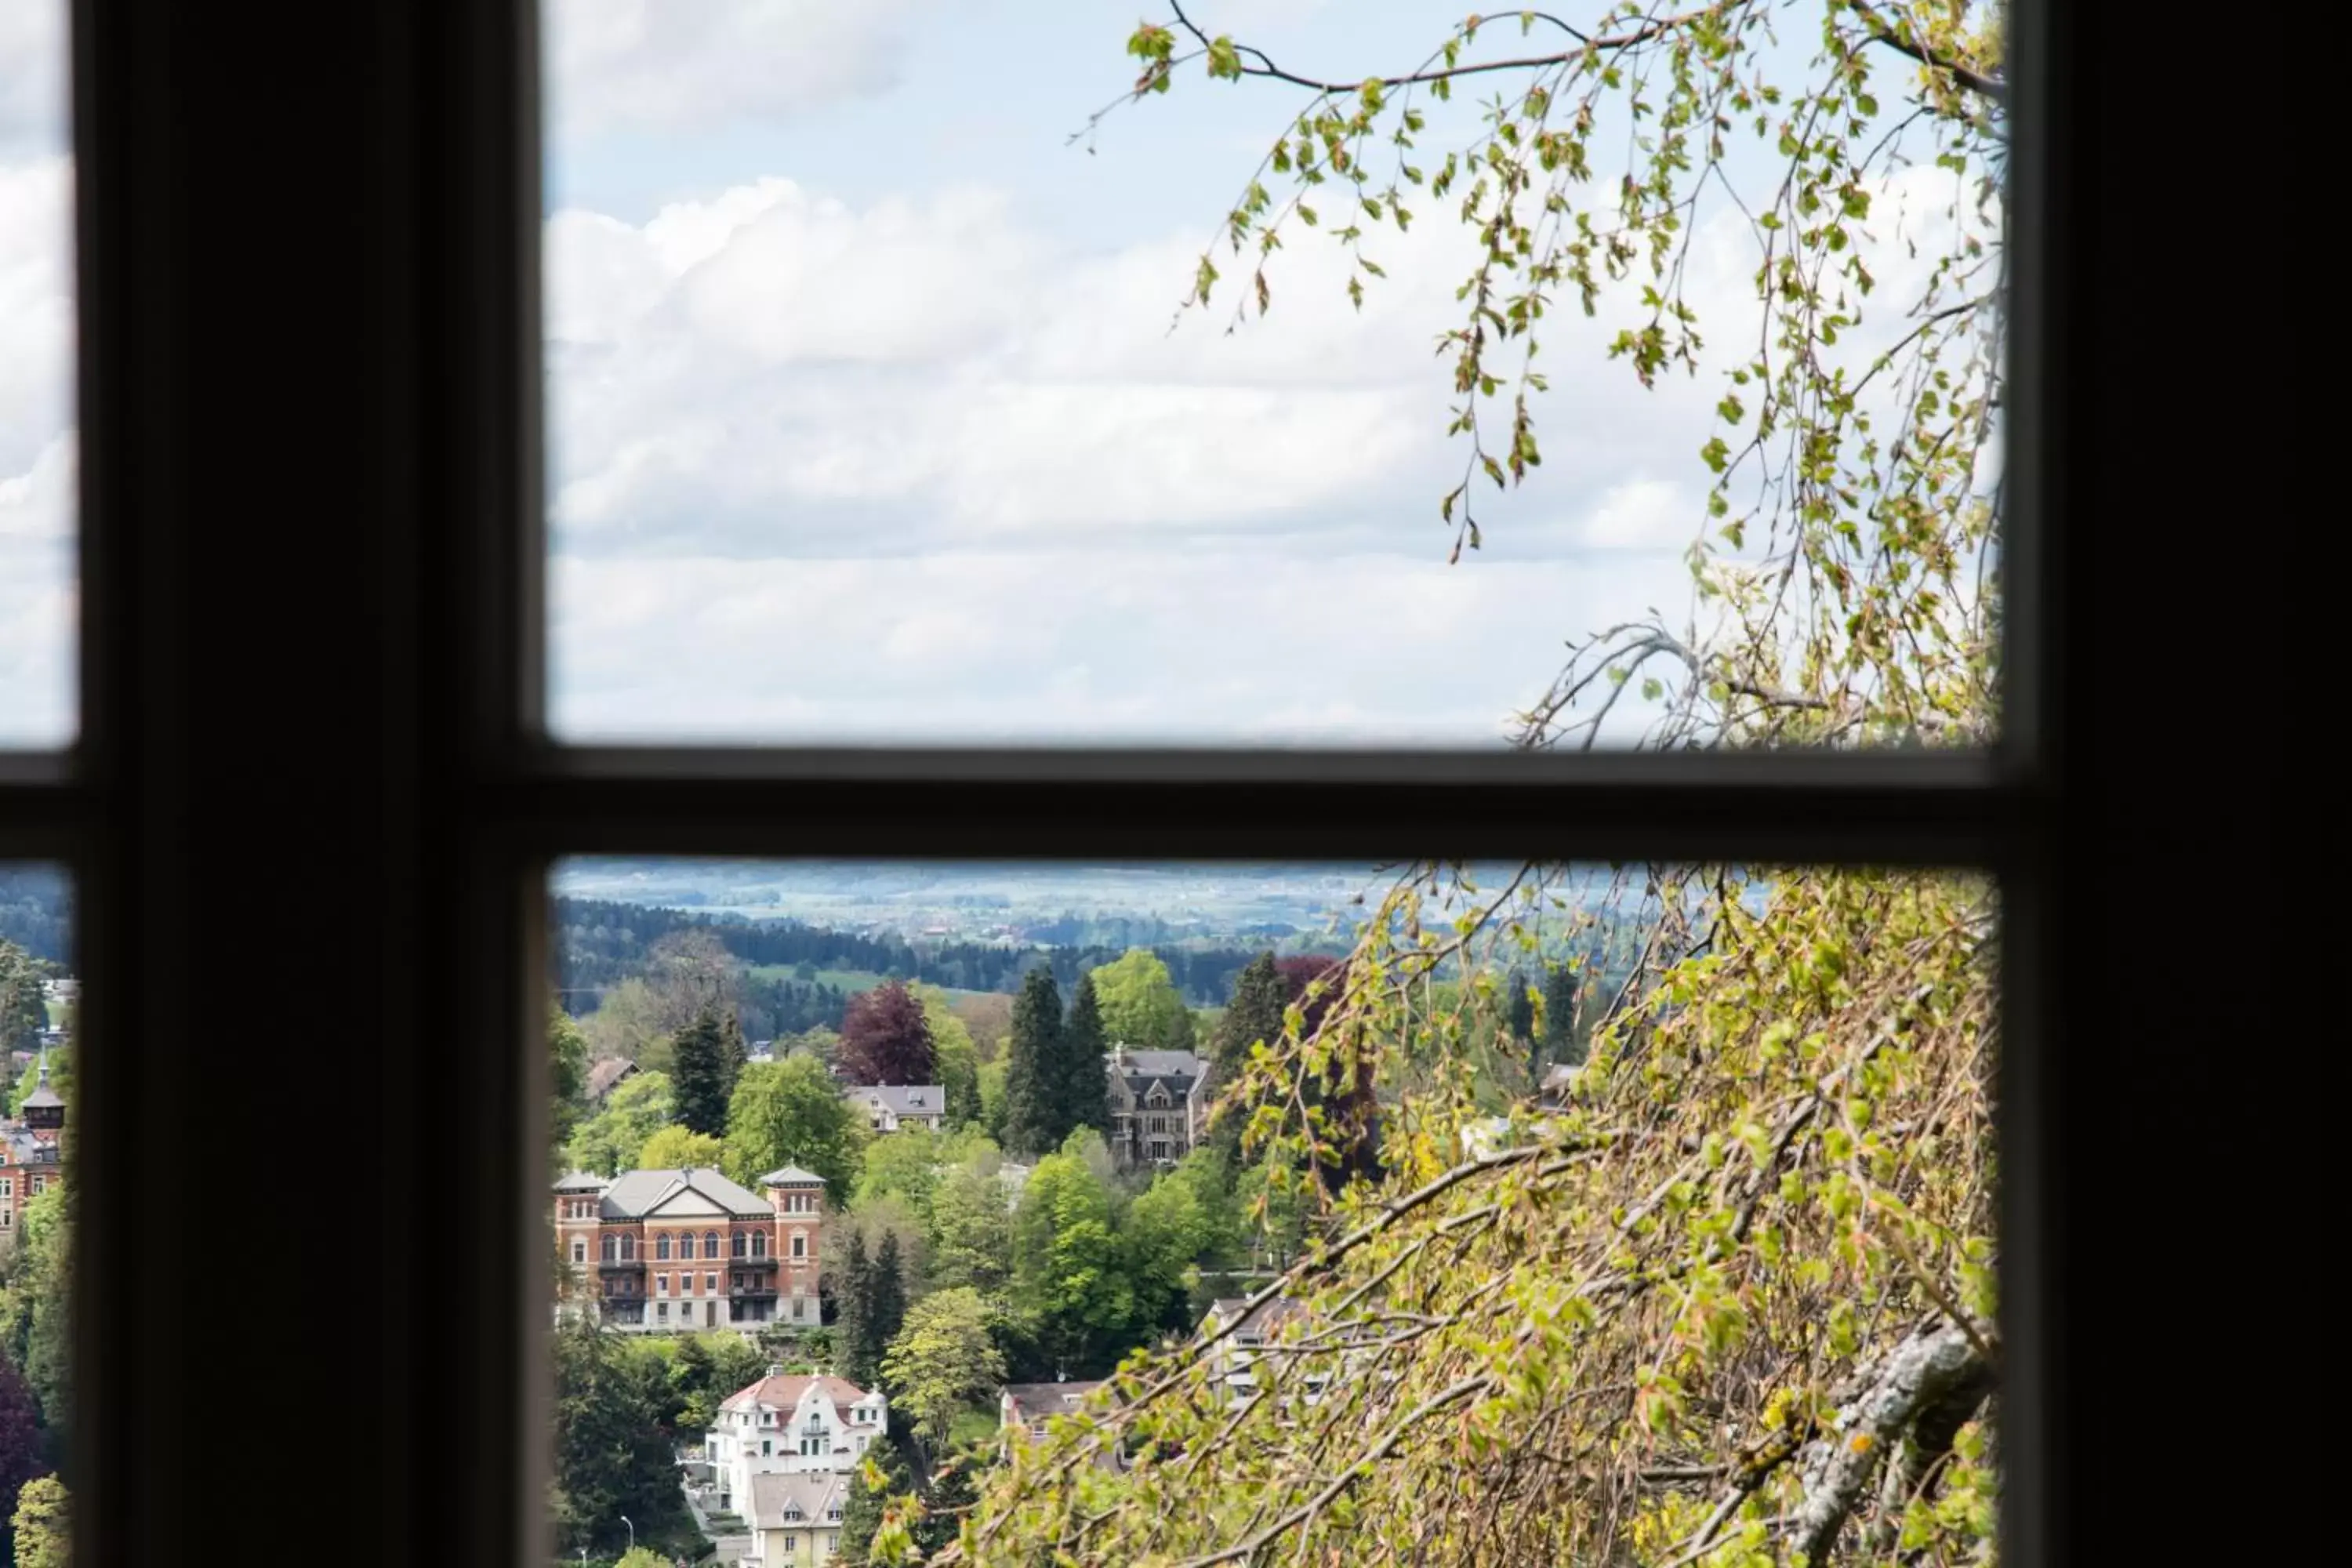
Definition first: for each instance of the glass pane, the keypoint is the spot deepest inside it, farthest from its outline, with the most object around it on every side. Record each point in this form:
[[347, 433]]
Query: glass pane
[[36, 390], [874, 415], [1599, 1218], [37, 995]]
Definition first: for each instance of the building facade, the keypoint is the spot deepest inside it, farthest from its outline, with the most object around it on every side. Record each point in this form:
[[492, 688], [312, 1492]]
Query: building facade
[[1159, 1105], [31, 1162], [813, 1427], [666, 1251], [894, 1107], [795, 1521]]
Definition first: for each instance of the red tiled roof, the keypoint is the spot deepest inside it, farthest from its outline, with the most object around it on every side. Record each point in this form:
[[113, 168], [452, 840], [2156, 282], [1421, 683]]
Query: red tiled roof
[[784, 1393]]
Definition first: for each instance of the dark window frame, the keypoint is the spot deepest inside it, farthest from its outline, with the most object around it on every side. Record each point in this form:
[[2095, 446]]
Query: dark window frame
[[403, 750]]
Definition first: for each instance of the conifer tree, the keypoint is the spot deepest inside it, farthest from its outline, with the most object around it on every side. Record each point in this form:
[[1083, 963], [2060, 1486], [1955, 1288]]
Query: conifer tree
[[1559, 1041], [705, 1061], [1519, 1011], [887, 1300], [1084, 1099], [1033, 1055], [854, 1354]]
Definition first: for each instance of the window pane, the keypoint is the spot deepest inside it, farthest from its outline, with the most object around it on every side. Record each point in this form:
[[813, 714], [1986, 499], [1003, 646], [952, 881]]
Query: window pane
[[870, 421], [37, 392], [1644, 1204], [39, 993]]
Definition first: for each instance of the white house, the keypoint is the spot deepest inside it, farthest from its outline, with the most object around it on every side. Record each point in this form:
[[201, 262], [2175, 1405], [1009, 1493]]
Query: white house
[[792, 1426], [891, 1106], [795, 1520]]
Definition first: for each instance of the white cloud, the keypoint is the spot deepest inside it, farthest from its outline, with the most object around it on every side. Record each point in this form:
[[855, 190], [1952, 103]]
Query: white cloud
[[637, 63], [906, 470], [36, 438], [1145, 644], [32, 78]]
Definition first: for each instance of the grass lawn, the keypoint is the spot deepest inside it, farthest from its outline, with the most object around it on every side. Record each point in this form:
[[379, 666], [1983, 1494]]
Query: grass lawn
[[849, 980], [973, 1426]]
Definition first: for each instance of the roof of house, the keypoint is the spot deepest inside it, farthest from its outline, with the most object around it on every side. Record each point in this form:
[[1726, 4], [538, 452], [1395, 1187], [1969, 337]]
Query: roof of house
[[580, 1181], [1268, 1316], [1180, 1071], [791, 1176], [779, 1392], [779, 1501], [640, 1195], [901, 1098], [1036, 1401], [603, 1075]]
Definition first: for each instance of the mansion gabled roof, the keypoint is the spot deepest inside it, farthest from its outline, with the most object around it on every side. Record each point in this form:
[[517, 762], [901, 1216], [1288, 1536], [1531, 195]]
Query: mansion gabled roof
[[782, 1393], [1038, 1401], [782, 1502], [899, 1099], [683, 1194], [1176, 1071]]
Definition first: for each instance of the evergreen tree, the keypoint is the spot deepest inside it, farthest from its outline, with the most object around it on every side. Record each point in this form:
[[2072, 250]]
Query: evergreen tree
[[887, 1309], [1031, 1127], [1519, 1011], [861, 1514], [706, 1061], [1559, 1042], [1084, 1099], [854, 1355], [1252, 1016]]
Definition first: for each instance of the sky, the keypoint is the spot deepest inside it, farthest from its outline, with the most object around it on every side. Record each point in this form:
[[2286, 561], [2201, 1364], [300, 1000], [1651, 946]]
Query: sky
[[867, 422]]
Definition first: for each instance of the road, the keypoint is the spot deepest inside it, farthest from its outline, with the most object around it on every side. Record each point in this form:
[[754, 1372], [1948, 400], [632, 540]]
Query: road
[[730, 1547]]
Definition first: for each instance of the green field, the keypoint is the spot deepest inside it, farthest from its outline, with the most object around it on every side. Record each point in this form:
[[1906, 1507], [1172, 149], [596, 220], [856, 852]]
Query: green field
[[849, 980]]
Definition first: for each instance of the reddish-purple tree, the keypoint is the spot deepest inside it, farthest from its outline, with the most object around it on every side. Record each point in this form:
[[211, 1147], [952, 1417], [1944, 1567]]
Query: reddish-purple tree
[[884, 1038], [21, 1456]]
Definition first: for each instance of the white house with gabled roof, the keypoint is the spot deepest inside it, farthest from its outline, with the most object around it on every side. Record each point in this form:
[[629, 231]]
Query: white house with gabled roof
[[793, 1426]]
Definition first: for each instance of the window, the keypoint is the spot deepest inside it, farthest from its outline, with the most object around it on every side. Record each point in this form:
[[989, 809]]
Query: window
[[738, 1243], [709, 1244], [661, 1284], [608, 1249], [579, 1250], [661, 1246], [628, 1249], [434, 277], [759, 1244], [710, 1284], [800, 1243]]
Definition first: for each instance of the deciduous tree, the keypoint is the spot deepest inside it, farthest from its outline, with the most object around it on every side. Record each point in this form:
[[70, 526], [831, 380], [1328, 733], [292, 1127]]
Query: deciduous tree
[[885, 1039], [792, 1114], [43, 1525], [945, 1359], [675, 1147], [1735, 1303], [607, 1143], [1140, 1004]]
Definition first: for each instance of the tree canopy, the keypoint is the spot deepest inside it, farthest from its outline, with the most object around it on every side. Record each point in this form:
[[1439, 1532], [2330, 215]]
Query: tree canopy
[[1733, 1303], [885, 1037], [1139, 1002], [792, 1114]]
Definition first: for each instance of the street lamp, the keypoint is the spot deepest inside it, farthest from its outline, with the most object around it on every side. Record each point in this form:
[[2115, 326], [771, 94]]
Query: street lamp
[[632, 1532]]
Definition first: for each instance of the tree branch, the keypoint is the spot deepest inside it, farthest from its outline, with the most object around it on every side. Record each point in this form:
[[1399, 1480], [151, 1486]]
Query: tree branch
[[1928, 1373], [1975, 80]]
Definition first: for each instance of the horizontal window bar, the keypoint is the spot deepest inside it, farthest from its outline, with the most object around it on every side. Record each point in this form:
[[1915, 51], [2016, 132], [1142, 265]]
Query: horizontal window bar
[[1922, 809], [42, 811]]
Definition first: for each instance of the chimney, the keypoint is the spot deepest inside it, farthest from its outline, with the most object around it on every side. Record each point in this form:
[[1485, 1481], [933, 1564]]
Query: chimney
[[776, 1369]]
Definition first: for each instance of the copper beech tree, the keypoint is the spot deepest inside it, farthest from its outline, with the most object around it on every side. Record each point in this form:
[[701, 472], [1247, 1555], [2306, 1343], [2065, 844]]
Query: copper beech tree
[[1729, 1297]]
